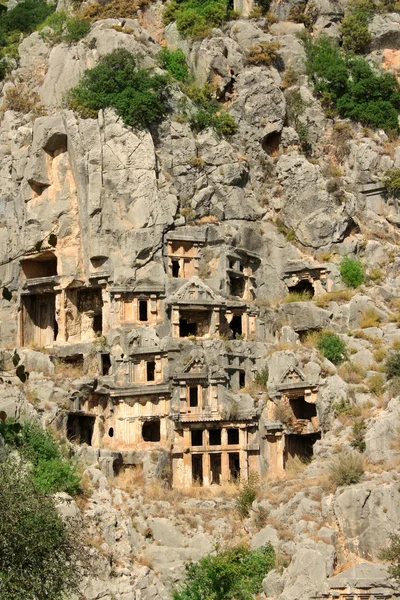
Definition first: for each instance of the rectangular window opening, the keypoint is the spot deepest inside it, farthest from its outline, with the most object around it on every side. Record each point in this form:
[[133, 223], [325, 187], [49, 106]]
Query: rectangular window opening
[[151, 370], [143, 313], [197, 437], [193, 396], [233, 437], [214, 437]]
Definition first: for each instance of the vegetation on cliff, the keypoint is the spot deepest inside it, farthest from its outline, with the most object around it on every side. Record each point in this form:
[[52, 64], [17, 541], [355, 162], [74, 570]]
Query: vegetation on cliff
[[233, 574], [349, 86], [38, 553], [139, 97]]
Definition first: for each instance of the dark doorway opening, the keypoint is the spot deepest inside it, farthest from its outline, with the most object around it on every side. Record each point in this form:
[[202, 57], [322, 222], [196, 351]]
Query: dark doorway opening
[[151, 370], [80, 429], [234, 465], [242, 379], [233, 437], [214, 437], [197, 437], [197, 468], [98, 324], [175, 268], [143, 315], [303, 287], [151, 431], [236, 325], [105, 363], [302, 409], [300, 446], [236, 286], [187, 328], [215, 468], [111, 432]]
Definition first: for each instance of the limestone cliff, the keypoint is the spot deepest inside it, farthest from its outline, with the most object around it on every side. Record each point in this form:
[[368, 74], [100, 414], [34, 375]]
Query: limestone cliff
[[164, 292]]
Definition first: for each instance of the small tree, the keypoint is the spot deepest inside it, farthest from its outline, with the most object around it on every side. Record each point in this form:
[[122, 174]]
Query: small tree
[[38, 555], [233, 574], [393, 554], [332, 347], [393, 365], [352, 272]]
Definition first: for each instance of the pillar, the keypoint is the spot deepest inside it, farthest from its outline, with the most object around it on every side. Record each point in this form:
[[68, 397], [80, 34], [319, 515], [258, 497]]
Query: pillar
[[206, 469], [175, 321], [187, 459]]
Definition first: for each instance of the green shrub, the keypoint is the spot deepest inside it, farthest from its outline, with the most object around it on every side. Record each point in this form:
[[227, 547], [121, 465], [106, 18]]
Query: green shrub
[[354, 28], [52, 471], [38, 555], [359, 430], [248, 493], [76, 29], [391, 181], [24, 18], [343, 407], [116, 82], [393, 365], [56, 22], [233, 574], [210, 113], [352, 272], [195, 19], [261, 377], [351, 86], [332, 347], [393, 554], [347, 468], [174, 61]]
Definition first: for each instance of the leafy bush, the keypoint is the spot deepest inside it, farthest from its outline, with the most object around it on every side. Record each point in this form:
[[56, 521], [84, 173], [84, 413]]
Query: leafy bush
[[358, 430], [352, 272], [233, 574], [351, 86], [261, 377], [354, 28], [332, 347], [210, 113], [248, 493], [347, 468], [393, 554], [391, 181], [38, 555], [24, 18], [52, 471], [196, 18], [393, 365], [116, 82], [174, 61], [56, 22], [265, 53], [76, 29]]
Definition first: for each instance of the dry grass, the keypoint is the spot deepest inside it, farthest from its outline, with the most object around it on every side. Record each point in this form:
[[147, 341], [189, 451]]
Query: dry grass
[[113, 10], [129, 479], [297, 297], [341, 297], [295, 466], [370, 318], [20, 99], [352, 373]]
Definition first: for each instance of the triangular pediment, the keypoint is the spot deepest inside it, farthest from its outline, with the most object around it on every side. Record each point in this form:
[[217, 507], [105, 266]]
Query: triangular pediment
[[292, 375], [196, 292], [196, 365]]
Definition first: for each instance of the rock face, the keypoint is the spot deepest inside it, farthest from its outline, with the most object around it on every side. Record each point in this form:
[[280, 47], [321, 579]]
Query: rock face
[[165, 290]]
